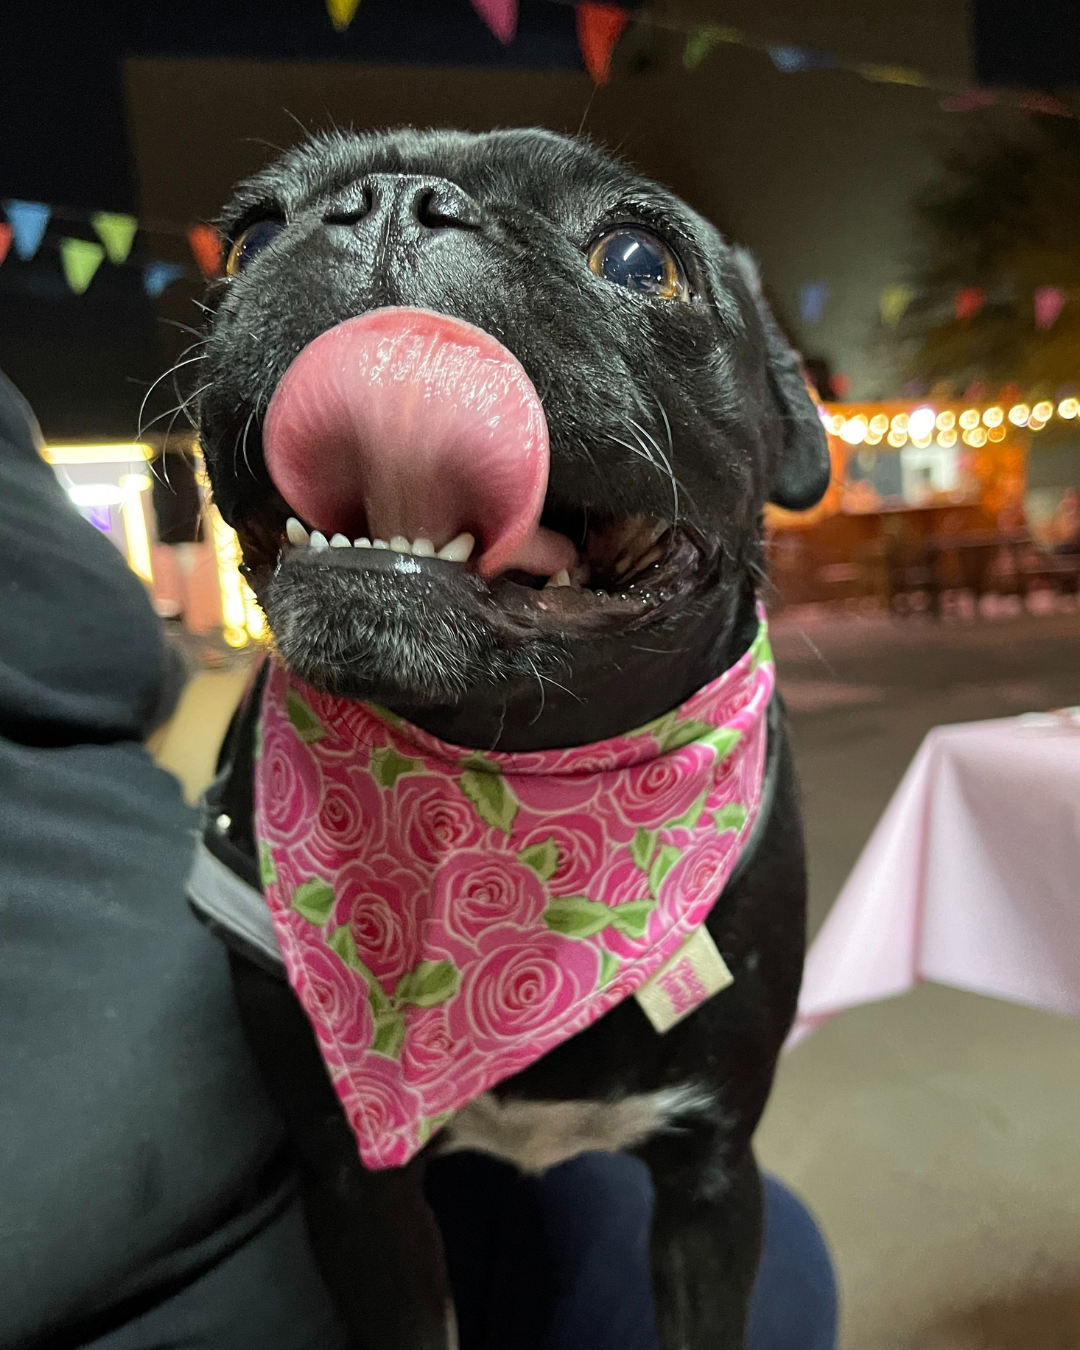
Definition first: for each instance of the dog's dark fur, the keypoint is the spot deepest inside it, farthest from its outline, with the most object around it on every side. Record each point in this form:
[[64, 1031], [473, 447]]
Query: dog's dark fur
[[691, 411]]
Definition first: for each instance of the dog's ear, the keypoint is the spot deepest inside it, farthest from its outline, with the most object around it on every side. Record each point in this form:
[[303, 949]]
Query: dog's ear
[[801, 473]]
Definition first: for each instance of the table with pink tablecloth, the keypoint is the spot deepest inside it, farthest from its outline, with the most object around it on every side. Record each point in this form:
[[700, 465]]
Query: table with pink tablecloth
[[971, 878]]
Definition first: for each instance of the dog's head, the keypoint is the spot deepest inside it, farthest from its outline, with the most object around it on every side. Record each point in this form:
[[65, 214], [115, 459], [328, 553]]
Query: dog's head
[[541, 388]]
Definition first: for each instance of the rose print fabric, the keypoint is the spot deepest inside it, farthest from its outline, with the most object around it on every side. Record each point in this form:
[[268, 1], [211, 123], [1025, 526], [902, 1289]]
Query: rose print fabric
[[447, 916]]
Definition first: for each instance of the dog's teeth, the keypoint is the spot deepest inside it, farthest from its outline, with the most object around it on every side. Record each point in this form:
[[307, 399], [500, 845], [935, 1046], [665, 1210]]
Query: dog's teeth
[[458, 550], [400, 544], [559, 579], [661, 527], [361, 542], [319, 540], [295, 533], [379, 543], [339, 541], [423, 548]]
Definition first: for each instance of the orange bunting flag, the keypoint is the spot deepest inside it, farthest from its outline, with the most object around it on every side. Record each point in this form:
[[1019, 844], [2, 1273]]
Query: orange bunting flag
[[205, 245], [968, 301], [599, 28], [501, 17], [342, 12], [5, 241]]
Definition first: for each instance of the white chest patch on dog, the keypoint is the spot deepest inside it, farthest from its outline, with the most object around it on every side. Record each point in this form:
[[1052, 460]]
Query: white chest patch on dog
[[535, 1136], [684, 982]]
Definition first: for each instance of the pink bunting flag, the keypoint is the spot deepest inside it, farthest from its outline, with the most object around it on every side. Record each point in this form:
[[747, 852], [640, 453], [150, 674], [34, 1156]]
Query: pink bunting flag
[[968, 301], [5, 240], [501, 17], [969, 100], [1049, 302]]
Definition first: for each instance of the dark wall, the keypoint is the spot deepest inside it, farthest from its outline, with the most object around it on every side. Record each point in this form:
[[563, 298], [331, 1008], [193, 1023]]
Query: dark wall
[[813, 171]]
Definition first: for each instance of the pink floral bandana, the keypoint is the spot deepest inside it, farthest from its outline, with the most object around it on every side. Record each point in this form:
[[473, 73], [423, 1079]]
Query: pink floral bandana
[[448, 916]]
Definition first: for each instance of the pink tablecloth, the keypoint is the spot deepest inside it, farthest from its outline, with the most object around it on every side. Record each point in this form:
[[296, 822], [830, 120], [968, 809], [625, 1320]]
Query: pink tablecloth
[[971, 878]]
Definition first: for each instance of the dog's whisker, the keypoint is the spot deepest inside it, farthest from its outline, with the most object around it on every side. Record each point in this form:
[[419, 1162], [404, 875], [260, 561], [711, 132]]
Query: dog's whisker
[[667, 466], [173, 370]]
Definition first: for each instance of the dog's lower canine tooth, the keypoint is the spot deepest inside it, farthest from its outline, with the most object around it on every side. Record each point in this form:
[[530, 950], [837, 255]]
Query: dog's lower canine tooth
[[339, 541], [423, 548], [319, 540], [295, 532], [400, 544], [361, 542], [458, 550], [559, 579]]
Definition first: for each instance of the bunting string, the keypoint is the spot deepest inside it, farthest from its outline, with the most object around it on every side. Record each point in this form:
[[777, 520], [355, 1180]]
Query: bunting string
[[26, 230], [599, 27]]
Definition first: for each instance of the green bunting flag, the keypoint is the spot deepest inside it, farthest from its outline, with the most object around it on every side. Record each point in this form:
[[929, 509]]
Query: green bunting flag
[[342, 12], [80, 259], [116, 231], [700, 43]]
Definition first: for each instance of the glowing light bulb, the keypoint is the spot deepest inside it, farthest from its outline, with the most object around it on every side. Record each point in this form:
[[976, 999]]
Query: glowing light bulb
[[993, 417], [1043, 411], [855, 429], [947, 438], [1068, 408], [879, 424], [836, 424], [969, 418], [900, 422], [1018, 414], [921, 424], [946, 421]]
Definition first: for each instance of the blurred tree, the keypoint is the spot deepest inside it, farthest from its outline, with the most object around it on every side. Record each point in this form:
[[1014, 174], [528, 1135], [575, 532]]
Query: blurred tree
[[1001, 222]]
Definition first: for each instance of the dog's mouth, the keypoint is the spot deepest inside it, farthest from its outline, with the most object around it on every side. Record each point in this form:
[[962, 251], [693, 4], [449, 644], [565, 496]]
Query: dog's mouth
[[408, 442]]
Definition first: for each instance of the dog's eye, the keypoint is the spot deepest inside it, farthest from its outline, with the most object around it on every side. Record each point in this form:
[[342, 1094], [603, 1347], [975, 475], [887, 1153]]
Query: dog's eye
[[640, 261], [254, 239]]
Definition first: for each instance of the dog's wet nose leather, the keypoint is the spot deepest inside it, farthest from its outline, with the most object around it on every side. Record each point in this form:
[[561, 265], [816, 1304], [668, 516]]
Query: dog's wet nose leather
[[411, 204]]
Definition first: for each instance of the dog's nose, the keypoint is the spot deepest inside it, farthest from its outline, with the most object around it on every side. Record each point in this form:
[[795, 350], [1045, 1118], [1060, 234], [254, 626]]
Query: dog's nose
[[407, 201]]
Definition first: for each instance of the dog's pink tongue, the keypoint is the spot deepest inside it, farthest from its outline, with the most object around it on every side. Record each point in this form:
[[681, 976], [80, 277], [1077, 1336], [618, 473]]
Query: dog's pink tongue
[[407, 422]]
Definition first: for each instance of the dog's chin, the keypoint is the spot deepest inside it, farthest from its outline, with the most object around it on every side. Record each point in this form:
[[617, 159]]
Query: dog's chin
[[393, 628]]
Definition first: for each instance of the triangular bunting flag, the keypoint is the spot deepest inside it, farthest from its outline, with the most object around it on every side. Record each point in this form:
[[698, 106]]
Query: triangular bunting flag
[[968, 300], [342, 12], [116, 232], [1045, 103], [158, 275], [700, 43], [80, 259], [205, 245], [790, 59], [969, 100], [599, 28], [892, 75], [893, 302], [500, 16], [1049, 302], [5, 241], [812, 301], [27, 221]]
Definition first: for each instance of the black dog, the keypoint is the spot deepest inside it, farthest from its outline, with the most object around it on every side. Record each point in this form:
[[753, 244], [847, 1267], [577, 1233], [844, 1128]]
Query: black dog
[[675, 410]]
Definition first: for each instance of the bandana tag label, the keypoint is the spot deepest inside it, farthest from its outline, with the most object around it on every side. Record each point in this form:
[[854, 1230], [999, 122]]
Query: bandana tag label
[[684, 982]]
